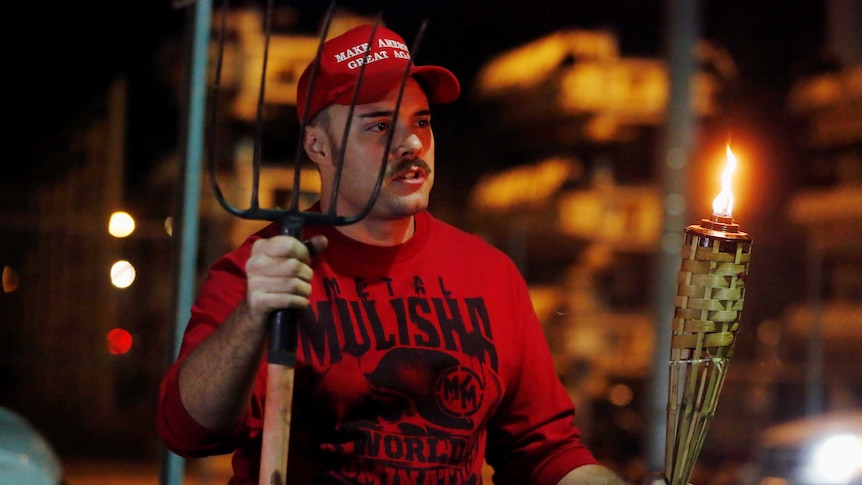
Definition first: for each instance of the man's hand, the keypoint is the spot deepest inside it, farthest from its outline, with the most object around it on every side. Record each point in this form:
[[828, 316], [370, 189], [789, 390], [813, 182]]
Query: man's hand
[[279, 274]]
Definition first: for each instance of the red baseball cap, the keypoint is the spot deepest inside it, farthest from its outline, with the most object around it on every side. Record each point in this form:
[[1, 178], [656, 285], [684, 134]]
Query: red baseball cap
[[385, 59]]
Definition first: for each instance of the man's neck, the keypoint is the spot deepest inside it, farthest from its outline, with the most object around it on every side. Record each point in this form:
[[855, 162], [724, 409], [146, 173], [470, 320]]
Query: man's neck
[[380, 232]]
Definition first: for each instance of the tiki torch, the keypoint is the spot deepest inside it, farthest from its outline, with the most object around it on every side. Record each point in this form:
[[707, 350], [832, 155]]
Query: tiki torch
[[710, 294]]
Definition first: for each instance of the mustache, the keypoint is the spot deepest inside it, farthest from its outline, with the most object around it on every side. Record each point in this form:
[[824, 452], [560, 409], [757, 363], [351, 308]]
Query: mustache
[[404, 165]]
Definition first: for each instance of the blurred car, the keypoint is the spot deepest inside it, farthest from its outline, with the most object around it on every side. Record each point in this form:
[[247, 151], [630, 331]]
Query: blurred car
[[819, 450], [26, 457]]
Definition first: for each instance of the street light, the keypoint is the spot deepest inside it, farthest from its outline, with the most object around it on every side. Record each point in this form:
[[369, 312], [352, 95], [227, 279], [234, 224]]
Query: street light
[[122, 274], [121, 224]]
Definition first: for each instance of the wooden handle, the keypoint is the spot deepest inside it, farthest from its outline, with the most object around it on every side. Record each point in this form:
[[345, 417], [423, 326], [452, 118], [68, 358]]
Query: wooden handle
[[281, 363], [276, 425]]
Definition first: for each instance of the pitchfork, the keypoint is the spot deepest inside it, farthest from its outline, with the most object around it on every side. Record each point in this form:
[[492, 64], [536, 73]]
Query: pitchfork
[[283, 332]]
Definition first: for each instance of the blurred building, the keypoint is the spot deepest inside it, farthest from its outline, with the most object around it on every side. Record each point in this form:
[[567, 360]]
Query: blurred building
[[82, 349], [806, 359], [827, 326], [585, 231], [574, 86], [584, 220]]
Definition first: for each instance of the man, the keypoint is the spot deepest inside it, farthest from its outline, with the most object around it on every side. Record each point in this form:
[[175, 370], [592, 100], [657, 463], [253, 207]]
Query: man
[[419, 352]]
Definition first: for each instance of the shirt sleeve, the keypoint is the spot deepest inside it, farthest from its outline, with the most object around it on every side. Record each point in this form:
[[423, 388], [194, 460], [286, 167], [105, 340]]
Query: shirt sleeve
[[533, 437], [220, 294]]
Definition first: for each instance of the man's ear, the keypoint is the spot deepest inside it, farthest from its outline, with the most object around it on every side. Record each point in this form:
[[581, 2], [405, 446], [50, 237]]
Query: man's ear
[[314, 143]]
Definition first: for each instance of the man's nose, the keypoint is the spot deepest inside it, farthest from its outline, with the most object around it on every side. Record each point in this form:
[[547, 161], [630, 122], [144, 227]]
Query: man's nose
[[410, 146]]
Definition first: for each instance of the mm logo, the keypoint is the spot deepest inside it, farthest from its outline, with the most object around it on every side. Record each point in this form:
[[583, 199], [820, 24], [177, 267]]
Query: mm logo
[[459, 392]]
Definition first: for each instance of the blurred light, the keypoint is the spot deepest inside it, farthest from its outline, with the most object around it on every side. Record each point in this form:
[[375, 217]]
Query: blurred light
[[119, 341], [122, 274], [10, 279], [525, 185], [674, 204], [616, 215], [675, 159], [529, 65], [121, 224], [835, 460], [546, 300], [169, 225], [627, 419], [769, 333], [620, 395]]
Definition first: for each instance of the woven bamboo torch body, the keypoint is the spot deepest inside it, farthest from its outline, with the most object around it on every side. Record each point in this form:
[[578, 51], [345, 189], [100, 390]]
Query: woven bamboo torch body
[[709, 299]]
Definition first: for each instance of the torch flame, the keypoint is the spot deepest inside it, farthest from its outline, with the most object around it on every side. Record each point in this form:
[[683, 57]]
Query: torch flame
[[722, 205]]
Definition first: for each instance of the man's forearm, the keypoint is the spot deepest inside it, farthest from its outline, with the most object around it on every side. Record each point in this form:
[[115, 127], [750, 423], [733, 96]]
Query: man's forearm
[[592, 475], [217, 378]]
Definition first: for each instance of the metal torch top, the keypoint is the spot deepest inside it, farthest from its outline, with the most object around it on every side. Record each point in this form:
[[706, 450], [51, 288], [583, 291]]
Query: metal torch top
[[721, 227]]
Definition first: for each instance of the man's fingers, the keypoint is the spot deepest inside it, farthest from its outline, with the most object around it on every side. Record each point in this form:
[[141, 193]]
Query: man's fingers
[[287, 246], [316, 245], [267, 302], [266, 294], [281, 247], [279, 273], [269, 267], [278, 255]]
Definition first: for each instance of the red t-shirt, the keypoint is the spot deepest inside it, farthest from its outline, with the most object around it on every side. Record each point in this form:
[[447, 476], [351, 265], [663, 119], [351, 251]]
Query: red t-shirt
[[414, 364]]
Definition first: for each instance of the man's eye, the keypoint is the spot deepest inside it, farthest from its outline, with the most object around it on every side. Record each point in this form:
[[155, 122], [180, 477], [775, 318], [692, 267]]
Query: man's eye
[[424, 123], [380, 126]]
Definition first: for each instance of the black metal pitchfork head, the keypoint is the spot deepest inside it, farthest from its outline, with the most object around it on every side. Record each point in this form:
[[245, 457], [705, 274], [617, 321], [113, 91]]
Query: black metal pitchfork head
[[292, 219]]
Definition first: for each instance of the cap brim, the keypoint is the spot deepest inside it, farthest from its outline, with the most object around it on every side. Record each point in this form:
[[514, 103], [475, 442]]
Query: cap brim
[[439, 84]]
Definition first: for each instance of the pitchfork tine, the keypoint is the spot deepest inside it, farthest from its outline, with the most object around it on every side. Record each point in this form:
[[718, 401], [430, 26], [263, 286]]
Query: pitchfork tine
[[258, 127], [211, 122], [315, 68], [336, 181]]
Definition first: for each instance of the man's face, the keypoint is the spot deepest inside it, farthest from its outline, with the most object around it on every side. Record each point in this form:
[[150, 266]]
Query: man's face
[[409, 162]]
